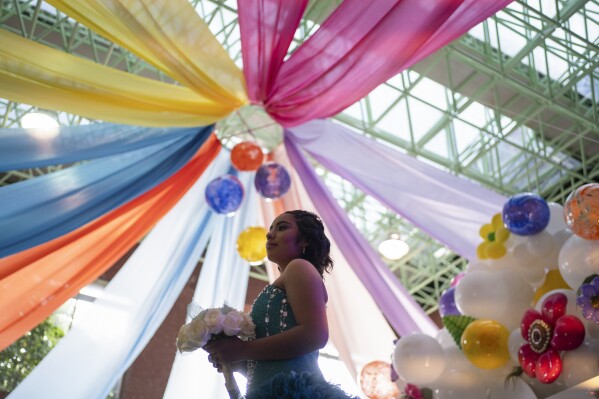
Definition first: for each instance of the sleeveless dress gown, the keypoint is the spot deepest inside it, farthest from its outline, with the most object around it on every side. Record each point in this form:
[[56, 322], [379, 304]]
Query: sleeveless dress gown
[[299, 377]]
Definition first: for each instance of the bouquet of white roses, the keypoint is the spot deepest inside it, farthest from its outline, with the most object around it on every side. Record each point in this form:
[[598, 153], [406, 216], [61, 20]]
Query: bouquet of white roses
[[210, 323]]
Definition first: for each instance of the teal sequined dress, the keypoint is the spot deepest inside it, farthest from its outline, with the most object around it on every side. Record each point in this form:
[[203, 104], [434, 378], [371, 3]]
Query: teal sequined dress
[[299, 377]]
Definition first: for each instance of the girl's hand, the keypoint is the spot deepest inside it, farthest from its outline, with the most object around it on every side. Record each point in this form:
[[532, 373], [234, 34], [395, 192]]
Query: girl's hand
[[226, 350]]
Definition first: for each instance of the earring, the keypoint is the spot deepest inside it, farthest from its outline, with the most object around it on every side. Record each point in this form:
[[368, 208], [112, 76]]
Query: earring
[[304, 249]]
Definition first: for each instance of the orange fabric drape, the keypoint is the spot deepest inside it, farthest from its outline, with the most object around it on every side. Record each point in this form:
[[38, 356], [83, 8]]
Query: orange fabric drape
[[35, 282]]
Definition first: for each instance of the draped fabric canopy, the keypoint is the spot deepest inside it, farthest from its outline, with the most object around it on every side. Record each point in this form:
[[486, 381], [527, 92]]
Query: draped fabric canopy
[[111, 203]]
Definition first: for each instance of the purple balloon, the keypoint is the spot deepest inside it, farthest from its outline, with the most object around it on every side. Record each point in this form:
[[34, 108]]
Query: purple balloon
[[272, 180], [447, 306]]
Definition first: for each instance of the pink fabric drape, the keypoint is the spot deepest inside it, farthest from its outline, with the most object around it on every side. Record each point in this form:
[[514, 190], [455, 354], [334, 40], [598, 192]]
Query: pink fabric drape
[[267, 28], [361, 45]]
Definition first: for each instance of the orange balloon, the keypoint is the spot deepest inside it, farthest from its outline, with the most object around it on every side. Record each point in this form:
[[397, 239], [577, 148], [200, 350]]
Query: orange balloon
[[247, 156], [581, 211], [375, 381]]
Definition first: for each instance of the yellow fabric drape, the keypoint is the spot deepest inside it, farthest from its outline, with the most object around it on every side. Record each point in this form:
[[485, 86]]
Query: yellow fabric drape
[[171, 36], [35, 74]]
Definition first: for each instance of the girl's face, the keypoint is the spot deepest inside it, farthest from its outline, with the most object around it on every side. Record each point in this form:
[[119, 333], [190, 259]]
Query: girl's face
[[283, 242]]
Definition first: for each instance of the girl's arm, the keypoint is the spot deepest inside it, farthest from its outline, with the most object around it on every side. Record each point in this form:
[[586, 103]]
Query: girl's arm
[[306, 296]]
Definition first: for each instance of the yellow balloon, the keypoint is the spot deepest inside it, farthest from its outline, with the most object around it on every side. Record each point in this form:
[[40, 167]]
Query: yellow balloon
[[495, 250], [481, 250], [485, 344], [485, 230], [497, 221], [502, 234], [553, 281], [251, 245]]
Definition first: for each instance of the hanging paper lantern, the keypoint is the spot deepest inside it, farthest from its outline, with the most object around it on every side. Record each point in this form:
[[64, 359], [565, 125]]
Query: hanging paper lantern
[[251, 245], [526, 214], [247, 156], [375, 381], [581, 211], [224, 194], [272, 180]]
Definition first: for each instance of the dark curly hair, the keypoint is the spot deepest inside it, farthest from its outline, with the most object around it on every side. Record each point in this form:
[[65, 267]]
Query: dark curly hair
[[318, 245]]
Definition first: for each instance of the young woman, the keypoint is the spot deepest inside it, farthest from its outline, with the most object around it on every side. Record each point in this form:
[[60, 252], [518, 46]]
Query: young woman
[[289, 314]]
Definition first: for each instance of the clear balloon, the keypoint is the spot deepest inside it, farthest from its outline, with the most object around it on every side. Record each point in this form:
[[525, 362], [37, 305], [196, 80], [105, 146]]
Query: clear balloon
[[525, 214], [481, 294], [541, 244], [418, 359], [272, 180], [459, 384], [251, 245], [224, 194], [581, 211], [485, 344], [557, 221], [514, 342], [578, 258], [375, 381]]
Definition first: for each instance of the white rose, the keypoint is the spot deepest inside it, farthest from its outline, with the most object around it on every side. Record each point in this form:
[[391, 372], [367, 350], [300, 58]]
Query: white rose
[[214, 320], [185, 341], [200, 333], [232, 323], [247, 327]]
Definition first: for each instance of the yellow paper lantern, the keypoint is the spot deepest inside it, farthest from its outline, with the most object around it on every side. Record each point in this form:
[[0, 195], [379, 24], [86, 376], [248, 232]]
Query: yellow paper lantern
[[485, 344], [251, 245]]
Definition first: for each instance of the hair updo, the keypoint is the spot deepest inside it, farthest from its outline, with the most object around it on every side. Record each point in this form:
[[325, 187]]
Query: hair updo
[[318, 246]]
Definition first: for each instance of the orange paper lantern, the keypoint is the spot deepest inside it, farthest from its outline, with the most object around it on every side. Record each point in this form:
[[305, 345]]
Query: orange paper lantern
[[246, 156], [375, 381]]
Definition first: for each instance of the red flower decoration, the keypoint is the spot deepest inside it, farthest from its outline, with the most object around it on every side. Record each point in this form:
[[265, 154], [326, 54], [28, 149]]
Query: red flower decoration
[[412, 392], [548, 333]]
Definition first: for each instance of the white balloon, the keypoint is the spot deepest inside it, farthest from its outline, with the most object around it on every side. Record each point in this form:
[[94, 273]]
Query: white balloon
[[580, 364], [570, 307], [518, 389], [544, 390], [521, 254], [445, 339], [556, 218], [459, 384], [477, 265], [418, 359], [514, 342], [591, 328], [481, 294], [541, 244], [578, 258], [561, 236]]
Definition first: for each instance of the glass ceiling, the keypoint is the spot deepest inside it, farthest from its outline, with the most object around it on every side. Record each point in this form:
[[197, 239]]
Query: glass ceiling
[[512, 105]]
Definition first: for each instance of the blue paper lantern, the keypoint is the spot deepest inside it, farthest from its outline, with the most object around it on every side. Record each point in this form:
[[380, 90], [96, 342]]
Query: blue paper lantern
[[447, 306], [526, 214], [224, 194], [272, 180]]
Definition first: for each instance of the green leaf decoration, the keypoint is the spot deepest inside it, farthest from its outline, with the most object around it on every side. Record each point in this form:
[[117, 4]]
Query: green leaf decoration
[[456, 326]]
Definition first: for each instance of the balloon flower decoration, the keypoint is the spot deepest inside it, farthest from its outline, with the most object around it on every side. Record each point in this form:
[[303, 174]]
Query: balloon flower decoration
[[224, 194], [494, 235], [547, 333], [251, 245]]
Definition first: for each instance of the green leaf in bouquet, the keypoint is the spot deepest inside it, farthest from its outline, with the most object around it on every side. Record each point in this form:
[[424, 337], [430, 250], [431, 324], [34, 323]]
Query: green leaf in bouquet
[[456, 326]]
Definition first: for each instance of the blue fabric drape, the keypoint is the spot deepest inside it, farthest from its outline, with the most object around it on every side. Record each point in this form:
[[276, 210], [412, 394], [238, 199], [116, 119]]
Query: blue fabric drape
[[43, 208], [100, 347], [22, 148]]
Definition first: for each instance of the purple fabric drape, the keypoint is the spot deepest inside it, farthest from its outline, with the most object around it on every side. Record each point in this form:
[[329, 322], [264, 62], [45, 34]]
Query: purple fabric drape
[[267, 28], [361, 45], [448, 208], [400, 309]]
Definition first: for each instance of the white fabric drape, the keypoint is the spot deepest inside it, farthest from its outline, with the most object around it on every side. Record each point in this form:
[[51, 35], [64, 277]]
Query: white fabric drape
[[223, 279], [103, 343]]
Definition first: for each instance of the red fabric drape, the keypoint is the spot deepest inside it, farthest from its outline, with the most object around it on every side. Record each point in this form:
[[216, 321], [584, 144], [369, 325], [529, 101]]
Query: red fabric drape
[[35, 282], [362, 44]]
